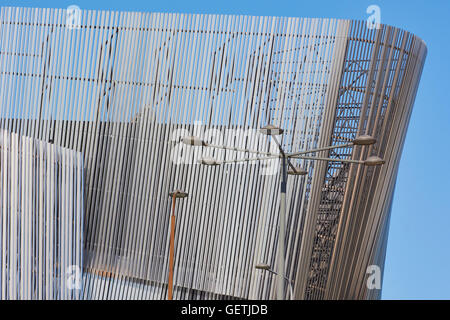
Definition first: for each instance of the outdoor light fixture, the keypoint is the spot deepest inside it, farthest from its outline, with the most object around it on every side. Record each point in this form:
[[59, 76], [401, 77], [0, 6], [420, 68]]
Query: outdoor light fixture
[[285, 163], [177, 194], [210, 162], [271, 130], [374, 161], [193, 141], [364, 140], [266, 267], [262, 266], [297, 172]]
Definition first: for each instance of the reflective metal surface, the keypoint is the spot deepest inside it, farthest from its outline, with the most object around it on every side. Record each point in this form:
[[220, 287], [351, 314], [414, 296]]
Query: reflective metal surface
[[41, 220], [123, 88]]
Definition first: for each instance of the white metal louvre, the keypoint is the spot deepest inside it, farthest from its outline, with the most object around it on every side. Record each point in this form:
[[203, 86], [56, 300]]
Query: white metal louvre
[[41, 219]]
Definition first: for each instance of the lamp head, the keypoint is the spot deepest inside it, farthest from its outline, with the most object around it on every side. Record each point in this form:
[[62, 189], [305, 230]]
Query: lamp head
[[262, 266], [364, 140], [297, 172], [209, 162], [374, 161], [178, 194], [193, 141], [271, 130]]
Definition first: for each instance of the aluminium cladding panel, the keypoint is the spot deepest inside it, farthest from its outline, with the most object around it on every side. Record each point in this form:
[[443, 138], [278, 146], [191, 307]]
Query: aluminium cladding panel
[[122, 85], [122, 88], [316, 185], [41, 219]]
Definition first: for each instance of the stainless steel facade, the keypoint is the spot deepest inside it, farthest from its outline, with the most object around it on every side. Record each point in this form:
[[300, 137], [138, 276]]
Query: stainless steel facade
[[122, 88], [41, 219]]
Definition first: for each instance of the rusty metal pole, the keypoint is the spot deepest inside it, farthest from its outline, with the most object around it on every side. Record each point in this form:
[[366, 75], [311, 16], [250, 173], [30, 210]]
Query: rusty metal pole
[[171, 250], [174, 195]]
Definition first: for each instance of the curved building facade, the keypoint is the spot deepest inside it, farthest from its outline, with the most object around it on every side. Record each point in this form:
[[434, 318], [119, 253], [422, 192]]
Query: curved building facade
[[122, 88]]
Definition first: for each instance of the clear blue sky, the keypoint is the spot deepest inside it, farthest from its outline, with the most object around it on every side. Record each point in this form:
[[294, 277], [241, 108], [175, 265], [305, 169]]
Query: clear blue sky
[[418, 256]]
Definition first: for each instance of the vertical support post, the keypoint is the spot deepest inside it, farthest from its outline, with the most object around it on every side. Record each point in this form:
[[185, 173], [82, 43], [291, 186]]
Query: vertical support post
[[282, 231], [171, 250]]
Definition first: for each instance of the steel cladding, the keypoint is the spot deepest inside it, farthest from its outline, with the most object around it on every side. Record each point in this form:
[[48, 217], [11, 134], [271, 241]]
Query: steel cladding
[[123, 88]]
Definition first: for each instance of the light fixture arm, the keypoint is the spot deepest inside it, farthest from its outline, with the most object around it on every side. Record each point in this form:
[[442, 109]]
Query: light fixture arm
[[289, 281], [283, 154], [330, 159], [295, 154], [241, 150]]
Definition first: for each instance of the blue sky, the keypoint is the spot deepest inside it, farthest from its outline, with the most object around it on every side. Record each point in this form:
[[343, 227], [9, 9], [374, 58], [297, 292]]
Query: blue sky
[[418, 257]]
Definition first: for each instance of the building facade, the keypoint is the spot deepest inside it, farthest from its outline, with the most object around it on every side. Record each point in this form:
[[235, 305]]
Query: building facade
[[41, 219], [122, 88]]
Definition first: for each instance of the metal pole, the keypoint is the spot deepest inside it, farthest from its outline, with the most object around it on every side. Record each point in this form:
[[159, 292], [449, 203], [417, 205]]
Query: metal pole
[[282, 231], [171, 250]]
